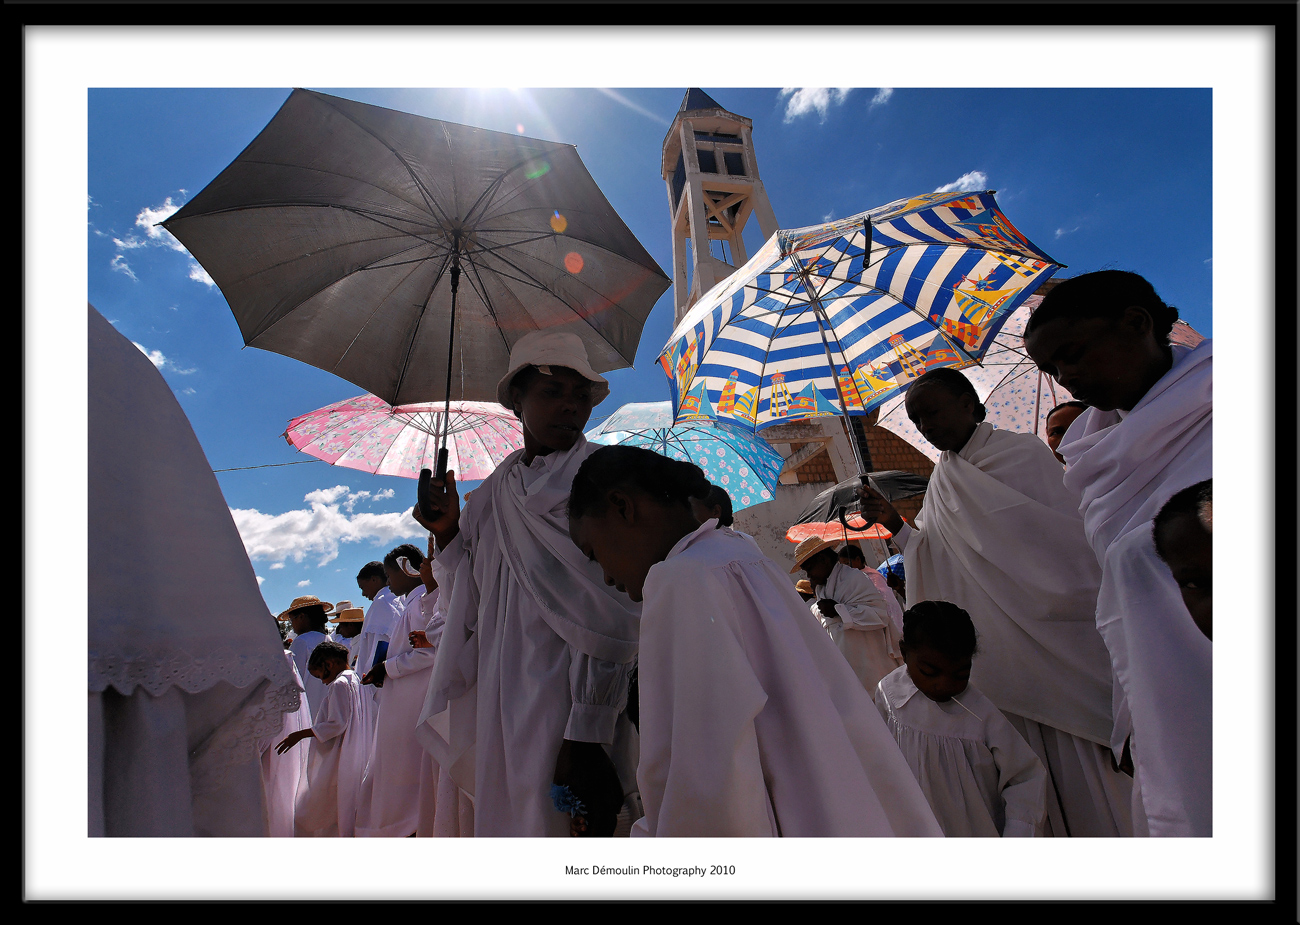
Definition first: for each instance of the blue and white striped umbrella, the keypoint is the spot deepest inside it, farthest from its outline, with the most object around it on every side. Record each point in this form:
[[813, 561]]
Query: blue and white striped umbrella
[[836, 318], [744, 465]]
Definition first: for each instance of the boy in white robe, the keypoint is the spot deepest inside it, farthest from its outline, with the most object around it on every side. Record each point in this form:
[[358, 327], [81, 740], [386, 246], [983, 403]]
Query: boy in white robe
[[531, 678], [980, 777], [399, 790], [851, 609], [348, 622], [852, 556], [1147, 435], [752, 723], [1000, 536], [327, 797]]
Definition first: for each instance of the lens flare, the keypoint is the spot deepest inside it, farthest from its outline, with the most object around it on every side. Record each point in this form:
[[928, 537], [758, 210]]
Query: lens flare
[[573, 262], [541, 170], [519, 127], [559, 223]]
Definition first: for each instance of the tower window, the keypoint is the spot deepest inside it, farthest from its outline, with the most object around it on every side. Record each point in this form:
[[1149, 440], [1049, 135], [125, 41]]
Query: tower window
[[718, 136], [735, 164], [679, 180], [708, 163]]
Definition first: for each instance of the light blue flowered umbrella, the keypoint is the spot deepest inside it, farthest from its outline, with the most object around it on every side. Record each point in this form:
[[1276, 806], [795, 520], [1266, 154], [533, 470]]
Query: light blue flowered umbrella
[[743, 464], [838, 318]]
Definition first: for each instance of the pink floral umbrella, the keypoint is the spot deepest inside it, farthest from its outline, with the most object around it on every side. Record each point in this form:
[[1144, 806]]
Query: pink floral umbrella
[[369, 434]]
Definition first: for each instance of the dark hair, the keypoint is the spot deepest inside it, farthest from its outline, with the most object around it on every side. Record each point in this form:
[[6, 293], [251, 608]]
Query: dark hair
[[956, 383], [942, 626], [315, 614], [1083, 405], [326, 652], [853, 552], [372, 570], [521, 380], [412, 554], [717, 497], [615, 467], [1194, 501], [1104, 294]]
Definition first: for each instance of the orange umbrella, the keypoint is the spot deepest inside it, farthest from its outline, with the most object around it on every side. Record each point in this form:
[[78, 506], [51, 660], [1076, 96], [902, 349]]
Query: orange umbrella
[[837, 531]]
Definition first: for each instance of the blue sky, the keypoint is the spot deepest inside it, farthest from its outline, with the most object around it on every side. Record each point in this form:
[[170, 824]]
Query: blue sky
[[1096, 177]]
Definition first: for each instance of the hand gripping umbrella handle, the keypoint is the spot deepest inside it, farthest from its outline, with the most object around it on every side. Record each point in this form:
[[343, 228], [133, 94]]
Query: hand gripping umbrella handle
[[422, 492], [442, 464]]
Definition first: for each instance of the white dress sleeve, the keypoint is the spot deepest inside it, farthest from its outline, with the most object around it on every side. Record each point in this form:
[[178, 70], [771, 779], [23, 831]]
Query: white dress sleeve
[[334, 714], [1022, 779], [599, 692]]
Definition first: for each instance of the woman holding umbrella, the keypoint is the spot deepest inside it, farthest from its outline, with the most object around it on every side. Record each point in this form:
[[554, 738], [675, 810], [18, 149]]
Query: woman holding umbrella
[[530, 686]]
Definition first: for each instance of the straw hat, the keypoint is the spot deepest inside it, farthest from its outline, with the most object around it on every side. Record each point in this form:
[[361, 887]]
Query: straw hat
[[803, 586], [346, 613], [545, 349], [807, 549], [301, 603]]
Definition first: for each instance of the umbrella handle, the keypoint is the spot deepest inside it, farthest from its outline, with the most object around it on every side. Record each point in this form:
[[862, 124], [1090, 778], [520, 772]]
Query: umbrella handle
[[427, 512]]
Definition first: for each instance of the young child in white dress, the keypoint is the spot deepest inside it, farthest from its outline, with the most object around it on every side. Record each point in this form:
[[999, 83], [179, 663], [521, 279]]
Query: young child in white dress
[[979, 774], [340, 735]]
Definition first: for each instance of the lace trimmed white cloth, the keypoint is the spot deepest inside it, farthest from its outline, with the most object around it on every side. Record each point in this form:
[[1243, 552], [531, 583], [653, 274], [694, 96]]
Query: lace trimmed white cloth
[[176, 621]]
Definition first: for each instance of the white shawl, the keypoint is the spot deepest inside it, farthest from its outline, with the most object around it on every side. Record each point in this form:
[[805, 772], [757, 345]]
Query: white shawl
[[1000, 537], [1125, 467]]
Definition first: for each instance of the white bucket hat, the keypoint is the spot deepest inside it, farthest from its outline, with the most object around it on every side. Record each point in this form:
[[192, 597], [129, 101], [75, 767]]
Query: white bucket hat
[[545, 349]]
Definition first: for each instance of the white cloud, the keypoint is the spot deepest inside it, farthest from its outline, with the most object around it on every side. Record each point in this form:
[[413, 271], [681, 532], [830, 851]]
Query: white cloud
[[386, 493], [881, 98], [119, 264], [148, 217], [161, 362], [188, 391], [1064, 231], [803, 100], [275, 565], [829, 216], [200, 275], [975, 180], [319, 529], [304, 583], [155, 356], [260, 579]]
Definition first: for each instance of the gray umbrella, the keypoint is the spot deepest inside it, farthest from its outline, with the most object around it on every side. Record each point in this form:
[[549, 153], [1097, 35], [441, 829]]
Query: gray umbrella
[[408, 255]]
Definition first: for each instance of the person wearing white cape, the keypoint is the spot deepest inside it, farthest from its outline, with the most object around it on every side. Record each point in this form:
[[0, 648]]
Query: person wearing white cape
[[531, 679], [1147, 435], [1000, 537], [752, 722], [187, 673]]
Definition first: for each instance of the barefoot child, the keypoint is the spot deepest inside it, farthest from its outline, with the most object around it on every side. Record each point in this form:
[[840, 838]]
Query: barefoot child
[[339, 733], [752, 723], [980, 776]]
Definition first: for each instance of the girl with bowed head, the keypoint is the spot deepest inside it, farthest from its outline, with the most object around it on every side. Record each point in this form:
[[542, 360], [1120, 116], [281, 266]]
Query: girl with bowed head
[[1147, 435], [1000, 537], [752, 723]]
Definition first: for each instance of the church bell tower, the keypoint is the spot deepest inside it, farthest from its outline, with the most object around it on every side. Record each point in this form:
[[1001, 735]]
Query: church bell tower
[[713, 188]]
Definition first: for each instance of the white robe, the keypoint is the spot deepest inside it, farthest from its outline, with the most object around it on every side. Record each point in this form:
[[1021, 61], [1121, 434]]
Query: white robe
[[327, 797], [980, 776], [399, 790], [281, 774], [752, 724], [1124, 467], [892, 600], [381, 617], [301, 648], [536, 649], [186, 672], [1000, 536], [861, 629]]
